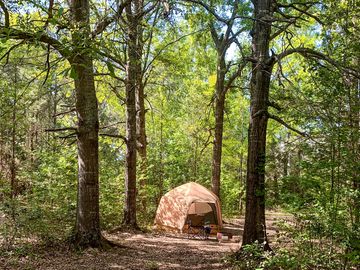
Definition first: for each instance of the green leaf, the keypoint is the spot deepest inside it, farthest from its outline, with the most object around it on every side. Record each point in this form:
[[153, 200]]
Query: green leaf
[[111, 69], [60, 11], [73, 73]]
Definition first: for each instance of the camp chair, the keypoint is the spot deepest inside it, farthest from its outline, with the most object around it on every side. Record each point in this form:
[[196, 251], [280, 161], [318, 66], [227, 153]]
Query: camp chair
[[198, 232]]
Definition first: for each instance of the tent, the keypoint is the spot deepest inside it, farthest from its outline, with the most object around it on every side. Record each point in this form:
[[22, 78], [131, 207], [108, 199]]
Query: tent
[[190, 203]]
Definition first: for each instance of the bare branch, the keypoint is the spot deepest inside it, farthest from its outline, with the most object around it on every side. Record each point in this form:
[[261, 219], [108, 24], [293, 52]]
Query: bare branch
[[274, 105], [209, 9], [208, 141], [7, 54], [59, 129], [62, 113], [47, 65], [169, 44], [307, 6], [114, 124], [279, 120], [214, 35], [102, 25], [114, 136], [71, 135], [235, 75]]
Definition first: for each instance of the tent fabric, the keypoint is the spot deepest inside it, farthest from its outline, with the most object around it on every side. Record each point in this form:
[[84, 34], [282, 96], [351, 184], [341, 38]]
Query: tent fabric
[[187, 200]]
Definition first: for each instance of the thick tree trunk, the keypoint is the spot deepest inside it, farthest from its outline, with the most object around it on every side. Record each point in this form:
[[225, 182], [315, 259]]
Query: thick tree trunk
[[129, 218], [255, 227], [242, 184], [87, 230]]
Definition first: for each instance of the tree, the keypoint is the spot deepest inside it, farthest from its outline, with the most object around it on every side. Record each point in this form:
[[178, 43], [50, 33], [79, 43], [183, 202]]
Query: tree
[[132, 85], [282, 16], [87, 229], [222, 43], [224, 33], [255, 228]]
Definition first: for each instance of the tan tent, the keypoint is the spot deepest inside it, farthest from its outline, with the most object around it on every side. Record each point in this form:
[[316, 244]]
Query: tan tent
[[190, 203]]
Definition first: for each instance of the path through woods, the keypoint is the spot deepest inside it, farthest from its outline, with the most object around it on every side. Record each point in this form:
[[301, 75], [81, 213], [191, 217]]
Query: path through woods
[[147, 251]]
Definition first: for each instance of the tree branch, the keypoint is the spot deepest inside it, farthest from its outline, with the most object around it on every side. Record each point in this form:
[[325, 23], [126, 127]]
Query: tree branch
[[12, 33], [114, 136], [235, 75], [7, 54], [59, 129], [50, 13], [62, 113], [71, 135], [6, 13], [274, 105], [102, 25], [279, 120], [307, 52]]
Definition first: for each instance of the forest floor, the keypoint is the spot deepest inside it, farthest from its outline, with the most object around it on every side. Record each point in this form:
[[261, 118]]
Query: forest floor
[[144, 251]]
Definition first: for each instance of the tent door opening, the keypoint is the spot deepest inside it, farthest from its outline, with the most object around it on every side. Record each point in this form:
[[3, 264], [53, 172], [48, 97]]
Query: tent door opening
[[201, 213]]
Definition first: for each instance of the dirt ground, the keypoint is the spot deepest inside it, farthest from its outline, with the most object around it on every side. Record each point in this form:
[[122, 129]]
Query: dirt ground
[[146, 251]]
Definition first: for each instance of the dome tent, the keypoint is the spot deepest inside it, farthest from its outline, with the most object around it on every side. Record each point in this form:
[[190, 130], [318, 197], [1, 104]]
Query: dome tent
[[187, 203]]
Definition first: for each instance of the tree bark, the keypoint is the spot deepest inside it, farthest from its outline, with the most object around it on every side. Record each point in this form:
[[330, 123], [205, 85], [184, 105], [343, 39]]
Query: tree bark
[[13, 144], [255, 227], [220, 94], [129, 218], [87, 229], [140, 103], [218, 138]]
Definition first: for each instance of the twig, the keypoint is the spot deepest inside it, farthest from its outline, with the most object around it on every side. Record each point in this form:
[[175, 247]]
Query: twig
[[59, 129], [71, 135], [114, 136], [7, 54], [62, 113]]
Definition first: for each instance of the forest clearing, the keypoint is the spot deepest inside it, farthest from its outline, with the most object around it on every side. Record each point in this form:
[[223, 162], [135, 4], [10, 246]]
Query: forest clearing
[[128, 126], [148, 251]]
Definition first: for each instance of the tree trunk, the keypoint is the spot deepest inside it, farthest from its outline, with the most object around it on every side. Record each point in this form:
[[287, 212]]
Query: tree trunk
[[255, 227], [219, 121], [242, 184], [13, 147], [129, 218], [141, 140], [140, 104], [87, 230]]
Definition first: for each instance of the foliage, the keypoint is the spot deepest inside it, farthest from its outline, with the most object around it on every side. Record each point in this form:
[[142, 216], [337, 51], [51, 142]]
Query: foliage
[[316, 176]]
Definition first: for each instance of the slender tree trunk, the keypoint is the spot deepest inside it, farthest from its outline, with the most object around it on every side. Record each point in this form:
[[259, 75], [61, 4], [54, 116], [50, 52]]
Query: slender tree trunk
[[255, 227], [141, 139], [161, 157], [140, 104], [13, 184], [87, 230], [219, 121], [129, 218]]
